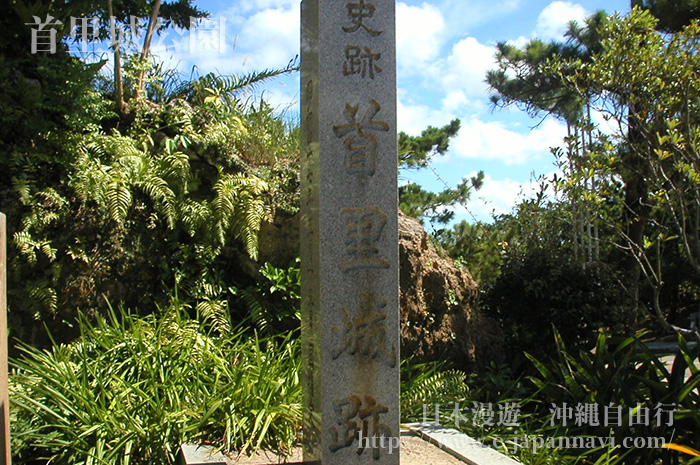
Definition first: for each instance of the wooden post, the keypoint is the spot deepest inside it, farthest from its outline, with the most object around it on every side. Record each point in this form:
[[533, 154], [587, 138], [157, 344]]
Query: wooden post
[[4, 382]]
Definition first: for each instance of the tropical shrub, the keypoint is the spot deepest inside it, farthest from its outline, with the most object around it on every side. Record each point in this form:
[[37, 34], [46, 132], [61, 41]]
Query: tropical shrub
[[623, 373], [131, 389], [539, 290], [273, 303], [132, 207]]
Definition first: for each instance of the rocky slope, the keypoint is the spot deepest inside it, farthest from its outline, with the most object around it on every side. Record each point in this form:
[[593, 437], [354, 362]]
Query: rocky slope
[[439, 316]]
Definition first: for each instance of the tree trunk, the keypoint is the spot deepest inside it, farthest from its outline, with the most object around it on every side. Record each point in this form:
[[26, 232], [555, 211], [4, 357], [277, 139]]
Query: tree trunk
[[118, 86], [636, 207], [152, 24]]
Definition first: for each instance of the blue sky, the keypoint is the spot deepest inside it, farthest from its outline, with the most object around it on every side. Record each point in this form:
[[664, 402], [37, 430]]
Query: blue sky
[[444, 48]]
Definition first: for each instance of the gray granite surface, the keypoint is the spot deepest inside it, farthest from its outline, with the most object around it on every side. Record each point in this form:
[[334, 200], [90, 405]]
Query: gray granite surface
[[350, 301]]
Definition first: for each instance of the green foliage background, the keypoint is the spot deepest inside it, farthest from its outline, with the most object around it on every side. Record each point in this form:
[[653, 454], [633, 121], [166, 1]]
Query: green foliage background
[[157, 205]]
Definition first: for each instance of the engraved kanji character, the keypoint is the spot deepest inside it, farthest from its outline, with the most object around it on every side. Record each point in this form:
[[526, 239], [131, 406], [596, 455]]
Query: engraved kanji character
[[358, 12], [613, 415], [586, 414], [355, 419], [345, 430], [508, 414], [357, 62], [361, 144], [376, 429], [364, 228], [44, 36], [365, 334], [563, 413]]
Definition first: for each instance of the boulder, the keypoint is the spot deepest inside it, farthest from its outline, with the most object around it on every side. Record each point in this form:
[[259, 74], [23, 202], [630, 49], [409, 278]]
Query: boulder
[[439, 316]]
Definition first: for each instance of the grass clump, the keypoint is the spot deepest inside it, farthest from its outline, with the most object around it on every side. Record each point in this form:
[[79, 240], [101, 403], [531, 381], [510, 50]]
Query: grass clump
[[131, 389]]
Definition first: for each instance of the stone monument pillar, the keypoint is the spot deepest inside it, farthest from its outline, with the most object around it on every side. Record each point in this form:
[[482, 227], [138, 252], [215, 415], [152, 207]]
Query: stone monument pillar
[[349, 232], [4, 384]]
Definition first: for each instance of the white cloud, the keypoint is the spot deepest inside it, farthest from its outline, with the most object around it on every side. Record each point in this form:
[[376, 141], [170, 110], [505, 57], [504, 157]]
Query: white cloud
[[492, 141], [455, 99], [554, 19], [520, 42], [496, 196], [271, 37], [266, 39], [413, 118], [465, 69], [418, 35]]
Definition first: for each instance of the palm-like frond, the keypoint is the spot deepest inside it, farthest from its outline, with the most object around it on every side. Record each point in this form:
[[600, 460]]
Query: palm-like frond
[[159, 191], [240, 208], [428, 385], [229, 88], [119, 199], [216, 313]]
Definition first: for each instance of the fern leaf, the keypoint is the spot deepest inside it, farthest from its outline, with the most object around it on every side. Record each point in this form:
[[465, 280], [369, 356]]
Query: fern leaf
[[118, 200], [215, 312]]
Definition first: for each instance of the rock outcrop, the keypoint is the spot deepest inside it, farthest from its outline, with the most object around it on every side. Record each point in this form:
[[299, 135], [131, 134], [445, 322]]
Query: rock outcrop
[[439, 316]]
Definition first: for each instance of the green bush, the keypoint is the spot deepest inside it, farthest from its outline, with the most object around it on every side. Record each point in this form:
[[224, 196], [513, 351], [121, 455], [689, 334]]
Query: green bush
[[131, 389], [623, 373], [539, 290], [273, 303]]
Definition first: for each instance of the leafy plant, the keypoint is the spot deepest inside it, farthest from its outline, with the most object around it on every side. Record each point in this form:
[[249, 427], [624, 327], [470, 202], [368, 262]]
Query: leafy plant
[[273, 303], [131, 389], [427, 384], [623, 373], [175, 196], [541, 289]]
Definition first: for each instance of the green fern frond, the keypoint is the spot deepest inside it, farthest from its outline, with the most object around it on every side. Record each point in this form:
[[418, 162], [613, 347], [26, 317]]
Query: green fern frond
[[194, 215], [44, 294], [159, 191], [90, 180], [429, 384], [176, 165], [240, 208], [216, 313], [118, 200], [112, 147], [48, 250], [133, 166], [23, 190], [258, 311], [51, 198], [26, 245]]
